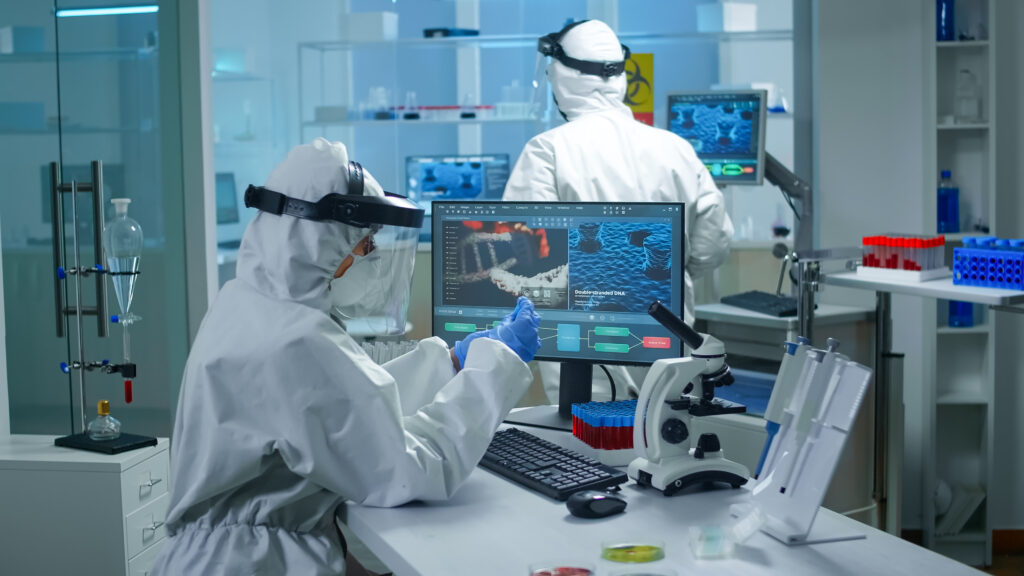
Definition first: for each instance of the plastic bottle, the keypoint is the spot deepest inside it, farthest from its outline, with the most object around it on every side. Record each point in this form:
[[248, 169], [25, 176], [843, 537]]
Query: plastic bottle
[[968, 98], [945, 30], [948, 205], [104, 426], [961, 314]]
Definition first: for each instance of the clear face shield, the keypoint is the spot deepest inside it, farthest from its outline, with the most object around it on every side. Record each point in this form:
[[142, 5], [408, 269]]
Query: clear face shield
[[372, 295], [376, 277], [540, 90]]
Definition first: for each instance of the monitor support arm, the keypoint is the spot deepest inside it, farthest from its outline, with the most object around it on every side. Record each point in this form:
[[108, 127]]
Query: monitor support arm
[[793, 187]]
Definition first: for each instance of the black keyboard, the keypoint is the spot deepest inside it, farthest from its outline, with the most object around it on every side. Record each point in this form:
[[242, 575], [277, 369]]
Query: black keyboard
[[763, 302], [545, 467]]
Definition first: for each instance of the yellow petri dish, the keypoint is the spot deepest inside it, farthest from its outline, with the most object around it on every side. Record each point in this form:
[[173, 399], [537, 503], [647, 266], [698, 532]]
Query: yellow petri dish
[[631, 552]]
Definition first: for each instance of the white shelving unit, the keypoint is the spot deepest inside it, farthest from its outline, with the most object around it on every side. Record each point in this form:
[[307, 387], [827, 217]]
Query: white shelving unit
[[959, 403]]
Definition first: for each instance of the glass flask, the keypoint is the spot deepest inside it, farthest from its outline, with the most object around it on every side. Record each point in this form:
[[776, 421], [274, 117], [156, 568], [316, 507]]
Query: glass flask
[[104, 426], [122, 240]]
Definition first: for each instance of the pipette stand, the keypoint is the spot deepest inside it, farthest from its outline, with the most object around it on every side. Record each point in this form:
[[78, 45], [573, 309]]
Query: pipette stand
[[820, 411]]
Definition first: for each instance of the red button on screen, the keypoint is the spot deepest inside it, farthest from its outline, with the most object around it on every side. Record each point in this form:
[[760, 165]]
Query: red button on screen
[[657, 342]]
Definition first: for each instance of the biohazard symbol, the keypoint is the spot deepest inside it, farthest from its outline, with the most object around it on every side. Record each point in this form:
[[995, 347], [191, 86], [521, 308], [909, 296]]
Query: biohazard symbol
[[638, 88]]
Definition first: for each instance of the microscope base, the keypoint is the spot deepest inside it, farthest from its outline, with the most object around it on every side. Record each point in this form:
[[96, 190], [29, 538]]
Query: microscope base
[[671, 476]]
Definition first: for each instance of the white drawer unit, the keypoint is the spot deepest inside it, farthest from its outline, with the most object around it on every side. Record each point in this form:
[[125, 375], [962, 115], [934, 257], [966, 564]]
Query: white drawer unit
[[62, 510]]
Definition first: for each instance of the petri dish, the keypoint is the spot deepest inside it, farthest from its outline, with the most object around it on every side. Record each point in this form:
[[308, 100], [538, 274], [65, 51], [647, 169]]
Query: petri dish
[[633, 552]]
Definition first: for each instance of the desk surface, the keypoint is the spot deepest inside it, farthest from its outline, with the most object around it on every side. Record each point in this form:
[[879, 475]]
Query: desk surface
[[37, 452], [495, 527], [824, 314], [942, 288]]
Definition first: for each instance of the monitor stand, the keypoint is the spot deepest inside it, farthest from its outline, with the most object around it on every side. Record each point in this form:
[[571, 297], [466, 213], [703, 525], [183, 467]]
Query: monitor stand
[[574, 385]]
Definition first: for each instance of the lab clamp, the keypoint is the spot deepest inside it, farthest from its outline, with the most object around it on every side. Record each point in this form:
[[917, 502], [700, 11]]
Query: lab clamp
[[663, 423], [122, 249]]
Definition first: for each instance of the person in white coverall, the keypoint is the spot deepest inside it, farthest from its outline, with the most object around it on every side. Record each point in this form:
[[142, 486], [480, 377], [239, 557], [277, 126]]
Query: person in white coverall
[[603, 155], [282, 416]]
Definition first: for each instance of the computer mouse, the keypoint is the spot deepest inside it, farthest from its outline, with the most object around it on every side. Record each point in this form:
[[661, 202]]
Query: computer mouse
[[594, 504]]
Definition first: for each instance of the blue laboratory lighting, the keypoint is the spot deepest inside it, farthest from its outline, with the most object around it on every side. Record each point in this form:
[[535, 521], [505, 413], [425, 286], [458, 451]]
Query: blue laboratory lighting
[[108, 11]]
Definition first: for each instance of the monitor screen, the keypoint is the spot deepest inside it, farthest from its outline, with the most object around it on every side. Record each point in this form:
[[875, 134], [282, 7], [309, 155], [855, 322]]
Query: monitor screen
[[451, 177], [227, 198], [726, 130], [592, 270]]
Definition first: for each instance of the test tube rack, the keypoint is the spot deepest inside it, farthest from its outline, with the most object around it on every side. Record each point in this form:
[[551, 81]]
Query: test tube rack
[[605, 425], [914, 258], [988, 268]]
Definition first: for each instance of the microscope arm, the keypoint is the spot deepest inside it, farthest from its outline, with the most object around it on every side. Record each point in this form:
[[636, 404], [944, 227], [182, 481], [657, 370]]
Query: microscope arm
[[667, 379]]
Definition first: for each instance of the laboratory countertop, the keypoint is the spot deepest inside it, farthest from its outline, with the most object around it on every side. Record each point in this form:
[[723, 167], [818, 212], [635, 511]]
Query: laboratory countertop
[[492, 526], [824, 315], [30, 451], [942, 288]]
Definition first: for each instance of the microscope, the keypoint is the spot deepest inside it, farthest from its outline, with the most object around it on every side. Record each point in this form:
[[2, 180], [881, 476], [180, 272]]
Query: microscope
[[662, 433]]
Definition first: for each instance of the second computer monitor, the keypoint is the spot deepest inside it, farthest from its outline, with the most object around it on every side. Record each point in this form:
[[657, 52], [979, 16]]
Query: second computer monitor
[[454, 177], [726, 130], [591, 269]]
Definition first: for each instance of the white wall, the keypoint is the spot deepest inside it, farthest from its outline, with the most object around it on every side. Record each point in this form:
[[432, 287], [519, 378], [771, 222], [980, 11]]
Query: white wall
[[5, 418], [868, 127], [1008, 503]]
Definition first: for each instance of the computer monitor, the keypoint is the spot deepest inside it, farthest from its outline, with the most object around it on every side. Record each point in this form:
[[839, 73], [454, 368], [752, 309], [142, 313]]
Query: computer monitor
[[229, 225], [592, 270], [726, 130], [227, 198], [454, 177]]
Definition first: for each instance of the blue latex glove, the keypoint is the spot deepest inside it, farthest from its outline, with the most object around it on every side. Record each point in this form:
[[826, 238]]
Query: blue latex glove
[[517, 330]]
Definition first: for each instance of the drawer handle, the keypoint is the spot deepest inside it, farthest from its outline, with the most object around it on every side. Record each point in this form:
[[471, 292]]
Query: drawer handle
[[152, 527], [151, 482]]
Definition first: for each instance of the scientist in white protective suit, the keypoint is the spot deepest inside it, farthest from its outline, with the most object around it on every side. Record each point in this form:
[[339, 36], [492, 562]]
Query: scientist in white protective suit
[[603, 155], [282, 416]]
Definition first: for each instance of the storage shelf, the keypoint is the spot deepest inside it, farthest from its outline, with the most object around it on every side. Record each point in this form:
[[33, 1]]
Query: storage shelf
[[66, 131], [947, 330], [402, 122], [530, 40], [220, 76], [979, 126], [962, 398], [963, 44], [115, 54], [959, 236]]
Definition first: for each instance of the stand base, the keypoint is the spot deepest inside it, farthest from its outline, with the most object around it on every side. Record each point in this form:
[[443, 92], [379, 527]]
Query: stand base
[[122, 443], [824, 529], [540, 417]]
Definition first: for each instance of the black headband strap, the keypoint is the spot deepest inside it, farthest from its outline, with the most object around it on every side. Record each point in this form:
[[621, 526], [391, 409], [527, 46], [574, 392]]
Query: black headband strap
[[360, 211]]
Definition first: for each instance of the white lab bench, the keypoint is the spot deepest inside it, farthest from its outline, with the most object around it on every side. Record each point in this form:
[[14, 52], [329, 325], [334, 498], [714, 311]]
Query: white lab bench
[[943, 409], [65, 511], [495, 527]]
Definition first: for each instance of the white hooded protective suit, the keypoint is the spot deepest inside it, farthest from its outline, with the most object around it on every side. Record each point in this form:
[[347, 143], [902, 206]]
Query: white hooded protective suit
[[603, 155], [282, 416]]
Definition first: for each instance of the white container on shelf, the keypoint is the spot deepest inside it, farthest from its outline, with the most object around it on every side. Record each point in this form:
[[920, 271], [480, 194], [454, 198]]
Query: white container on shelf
[[727, 17], [368, 26]]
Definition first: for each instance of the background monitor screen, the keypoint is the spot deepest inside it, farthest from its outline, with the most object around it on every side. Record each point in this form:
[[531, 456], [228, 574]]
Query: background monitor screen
[[450, 177], [592, 270], [726, 130], [227, 198]]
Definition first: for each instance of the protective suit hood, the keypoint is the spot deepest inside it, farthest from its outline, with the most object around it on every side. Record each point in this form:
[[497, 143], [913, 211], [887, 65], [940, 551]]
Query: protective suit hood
[[577, 93], [293, 259]]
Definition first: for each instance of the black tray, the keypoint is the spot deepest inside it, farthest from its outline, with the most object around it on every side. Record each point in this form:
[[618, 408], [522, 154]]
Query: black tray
[[122, 443]]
